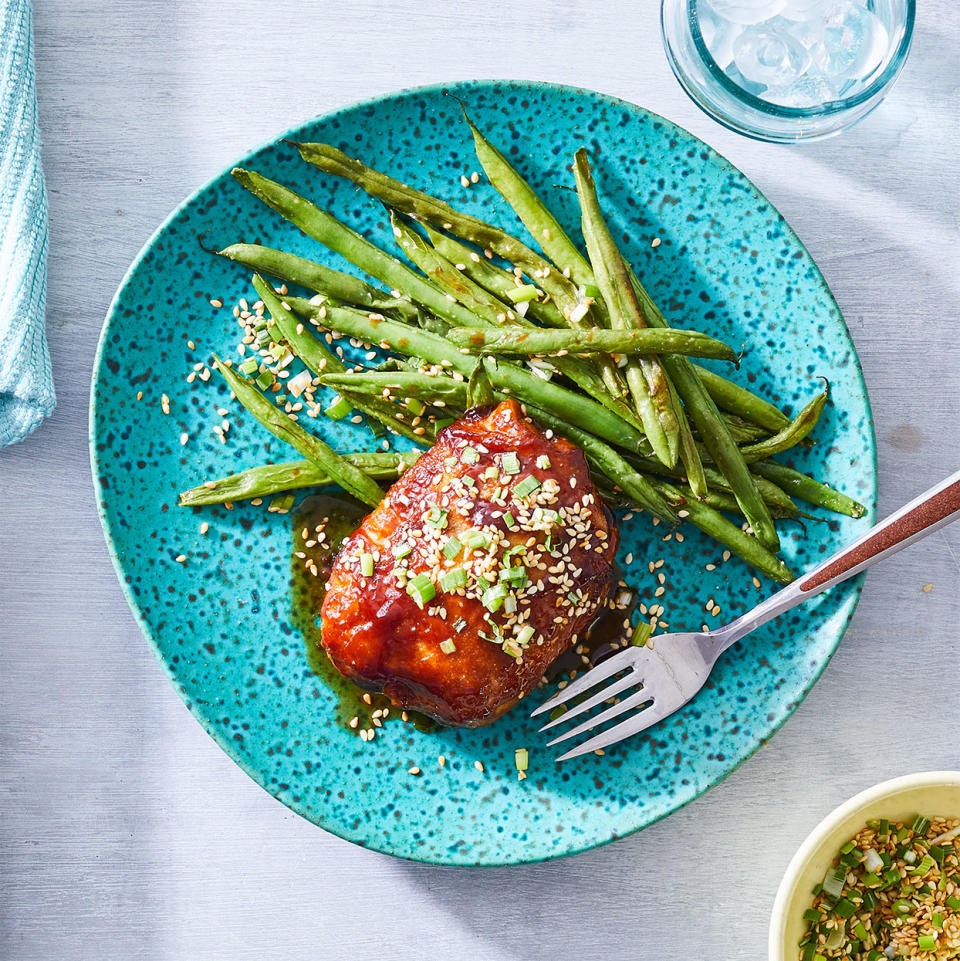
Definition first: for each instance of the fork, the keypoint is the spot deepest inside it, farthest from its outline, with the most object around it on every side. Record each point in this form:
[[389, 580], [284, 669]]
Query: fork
[[670, 670]]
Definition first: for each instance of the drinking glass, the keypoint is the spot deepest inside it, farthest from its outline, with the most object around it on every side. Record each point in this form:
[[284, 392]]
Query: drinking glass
[[787, 70]]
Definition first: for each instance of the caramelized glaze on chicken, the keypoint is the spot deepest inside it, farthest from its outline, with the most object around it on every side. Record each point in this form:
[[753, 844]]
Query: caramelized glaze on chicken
[[484, 562]]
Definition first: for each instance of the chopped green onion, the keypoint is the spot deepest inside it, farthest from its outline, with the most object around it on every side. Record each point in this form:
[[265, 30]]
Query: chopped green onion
[[834, 880], [902, 906], [491, 473], [524, 635], [523, 293], [421, 589], [510, 604], [884, 829], [436, 517], [468, 481], [526, 486], [453, 579], [938, 853], [415, 406], [811, 914], [920, 824], [845, 908], [847, 848], [281, 503], [924, 866], [953, 903], [249, 365], [366, 565], [459, 624], [937, 920], [402, 550], [493, 597], [442, 422], [447, 646], [452, 548], [469, 455], [516, 576], [339, 408], [927, 942], [543, 462], [510, 648], [510, 463], [266, 379], [641, 634], [860, 931], [476, 540], [509, 521], [870, 880], [521, 758], [869, 901]]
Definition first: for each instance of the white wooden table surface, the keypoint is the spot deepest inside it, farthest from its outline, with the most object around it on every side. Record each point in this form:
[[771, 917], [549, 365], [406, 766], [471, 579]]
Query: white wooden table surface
[[126, 832]]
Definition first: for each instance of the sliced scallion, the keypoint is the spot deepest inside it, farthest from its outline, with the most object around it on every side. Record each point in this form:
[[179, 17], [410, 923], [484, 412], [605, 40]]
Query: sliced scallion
[[366, 565], [421, 589]]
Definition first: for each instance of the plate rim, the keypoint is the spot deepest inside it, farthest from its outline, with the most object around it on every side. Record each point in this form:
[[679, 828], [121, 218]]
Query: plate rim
[[849, 604]]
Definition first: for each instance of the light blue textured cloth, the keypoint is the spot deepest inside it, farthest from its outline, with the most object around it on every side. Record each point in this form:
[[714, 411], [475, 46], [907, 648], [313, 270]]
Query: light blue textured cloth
[[26, 383]]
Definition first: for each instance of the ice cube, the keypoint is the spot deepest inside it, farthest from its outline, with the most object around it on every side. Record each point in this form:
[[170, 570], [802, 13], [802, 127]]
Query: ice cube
[[719, 35], [853, 42], [810, 90], [745, 11], [770, 56]]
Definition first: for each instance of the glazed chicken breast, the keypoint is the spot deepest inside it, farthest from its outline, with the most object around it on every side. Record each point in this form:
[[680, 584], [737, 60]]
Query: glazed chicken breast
[[485, 561]]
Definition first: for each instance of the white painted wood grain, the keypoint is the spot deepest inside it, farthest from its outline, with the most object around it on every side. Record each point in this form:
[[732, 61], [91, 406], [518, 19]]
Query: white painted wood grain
[[125, 832]]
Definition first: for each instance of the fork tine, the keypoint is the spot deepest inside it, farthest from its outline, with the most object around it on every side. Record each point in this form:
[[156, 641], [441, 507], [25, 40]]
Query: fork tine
[[629, 727], [611, 690], [634, 700], [593, 677]]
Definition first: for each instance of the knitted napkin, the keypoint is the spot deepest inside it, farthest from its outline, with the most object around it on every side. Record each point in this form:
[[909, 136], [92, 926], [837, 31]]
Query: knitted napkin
[[26, 384]]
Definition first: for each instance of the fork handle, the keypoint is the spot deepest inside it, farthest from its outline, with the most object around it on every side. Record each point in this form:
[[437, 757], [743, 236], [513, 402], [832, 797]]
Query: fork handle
[[925, 514]]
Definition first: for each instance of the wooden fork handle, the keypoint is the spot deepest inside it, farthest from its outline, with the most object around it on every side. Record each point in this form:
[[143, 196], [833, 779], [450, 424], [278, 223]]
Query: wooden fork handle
[[930, 511]]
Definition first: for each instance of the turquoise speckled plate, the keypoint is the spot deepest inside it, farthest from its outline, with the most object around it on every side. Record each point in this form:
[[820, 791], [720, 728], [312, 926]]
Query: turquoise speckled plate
[[221, 622]]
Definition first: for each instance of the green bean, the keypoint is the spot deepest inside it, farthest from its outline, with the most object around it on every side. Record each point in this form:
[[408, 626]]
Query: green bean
[[498, 281], [326, 229], [610, 463], [488, 310], [735, 399], [645, 377], [334, 284], [267, 479], [702, 411], [808, 489], [405, 383], [422, 206], [689, 455], [536, 217], [579, 410], [791, 435], [537, 342], [310, 350], [717, 526], [743, 431], [353, 480]]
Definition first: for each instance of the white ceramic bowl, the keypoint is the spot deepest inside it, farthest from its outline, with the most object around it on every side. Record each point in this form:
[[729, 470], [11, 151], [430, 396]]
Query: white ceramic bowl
[[932, 793]]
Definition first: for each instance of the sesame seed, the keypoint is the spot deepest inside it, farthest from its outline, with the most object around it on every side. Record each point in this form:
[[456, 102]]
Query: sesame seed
[[415, 771], [479, 766], [655, 242], [927, 588], [180, 558], [204, 527], [215, 302]]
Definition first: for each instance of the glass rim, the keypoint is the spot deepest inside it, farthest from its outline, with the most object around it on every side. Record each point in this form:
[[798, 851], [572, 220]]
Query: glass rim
[[831, 107]]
